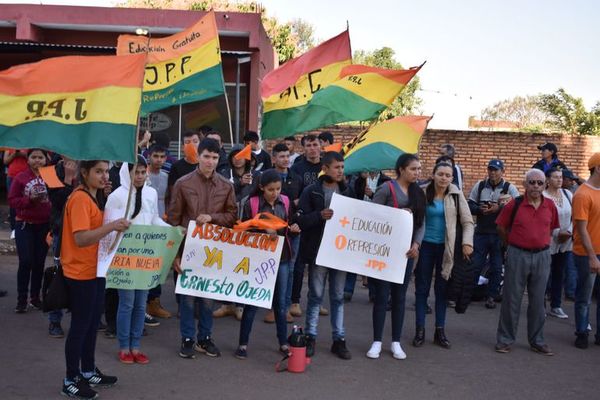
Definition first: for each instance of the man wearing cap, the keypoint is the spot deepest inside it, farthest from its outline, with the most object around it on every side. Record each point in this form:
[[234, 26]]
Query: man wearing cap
[[549, 158], [586, 247], [526, 225], [570, 181], [485, 205]]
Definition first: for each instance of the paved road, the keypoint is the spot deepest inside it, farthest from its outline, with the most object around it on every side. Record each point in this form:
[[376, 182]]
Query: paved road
[[32, 364]]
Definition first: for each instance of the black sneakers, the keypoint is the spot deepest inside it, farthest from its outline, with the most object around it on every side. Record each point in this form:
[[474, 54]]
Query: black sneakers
[[21, 307], [99, 379], [36, 303], [55, 330], [187, 348], [339, 349], [581, 341], [79, 389], [207, 347], [149, 320]]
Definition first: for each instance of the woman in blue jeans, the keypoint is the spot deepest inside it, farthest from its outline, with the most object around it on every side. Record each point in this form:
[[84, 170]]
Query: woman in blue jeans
[[132, 302], [403, 192], [446, 207], [268, 198]]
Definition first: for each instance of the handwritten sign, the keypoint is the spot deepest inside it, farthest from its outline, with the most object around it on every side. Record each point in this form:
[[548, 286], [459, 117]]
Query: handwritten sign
[[223, 264], [372, 242], [143, 257]]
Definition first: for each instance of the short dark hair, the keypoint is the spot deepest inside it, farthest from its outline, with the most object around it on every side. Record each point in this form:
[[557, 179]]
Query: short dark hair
[[251, 136], [205, 129], [331, 156], [279, 148], [308, 138], [157, 148], [445, 159], [290, 138], [326, 137], [188, 134], [210, 145], [449, 149], [212, 132]]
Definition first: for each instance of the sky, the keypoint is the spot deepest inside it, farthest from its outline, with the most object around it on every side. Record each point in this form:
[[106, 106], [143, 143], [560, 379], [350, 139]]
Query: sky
[[478, 52]]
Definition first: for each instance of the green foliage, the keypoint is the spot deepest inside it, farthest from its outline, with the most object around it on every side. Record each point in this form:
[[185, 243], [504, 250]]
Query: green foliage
[[524, 112], [568, 114], [407, 103]]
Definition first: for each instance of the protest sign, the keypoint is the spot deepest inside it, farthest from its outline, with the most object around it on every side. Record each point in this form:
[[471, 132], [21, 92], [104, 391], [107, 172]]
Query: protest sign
[[371, 242], [107, 247], [223, 264], [143, 257]]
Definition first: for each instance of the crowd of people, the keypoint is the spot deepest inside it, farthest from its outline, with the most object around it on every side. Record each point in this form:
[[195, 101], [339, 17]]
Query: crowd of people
[[497, 242]]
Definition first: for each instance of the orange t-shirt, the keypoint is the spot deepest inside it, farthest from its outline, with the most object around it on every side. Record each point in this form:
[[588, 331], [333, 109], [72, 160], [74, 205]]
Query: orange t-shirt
[[81, 214], [586, 207]]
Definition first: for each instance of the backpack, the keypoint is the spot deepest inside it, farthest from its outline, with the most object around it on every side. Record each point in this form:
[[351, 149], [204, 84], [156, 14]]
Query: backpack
[[481, 186], [254, 201]]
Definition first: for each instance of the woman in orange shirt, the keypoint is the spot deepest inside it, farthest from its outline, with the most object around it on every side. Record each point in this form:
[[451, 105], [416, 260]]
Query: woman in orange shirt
[[82, 230]]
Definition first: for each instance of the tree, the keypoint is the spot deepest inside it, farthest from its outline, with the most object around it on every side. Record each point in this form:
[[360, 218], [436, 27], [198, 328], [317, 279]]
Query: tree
[[524, 112], [568, 114], [407, 102], [286, 38], [304, 33]]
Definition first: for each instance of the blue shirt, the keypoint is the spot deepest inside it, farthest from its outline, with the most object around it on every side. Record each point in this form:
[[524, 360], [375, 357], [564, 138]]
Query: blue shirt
[[435, 223]]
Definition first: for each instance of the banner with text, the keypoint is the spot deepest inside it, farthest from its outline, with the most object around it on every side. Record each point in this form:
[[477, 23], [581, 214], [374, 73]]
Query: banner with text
[[371, 242], [223, 264], [143, 257]]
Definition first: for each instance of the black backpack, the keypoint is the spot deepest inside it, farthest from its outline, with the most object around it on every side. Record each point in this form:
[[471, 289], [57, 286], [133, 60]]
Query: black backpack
[[481, 186]]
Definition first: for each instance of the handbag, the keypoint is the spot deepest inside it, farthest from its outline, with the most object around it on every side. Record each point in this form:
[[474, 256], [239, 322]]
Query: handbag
[[55, 293]]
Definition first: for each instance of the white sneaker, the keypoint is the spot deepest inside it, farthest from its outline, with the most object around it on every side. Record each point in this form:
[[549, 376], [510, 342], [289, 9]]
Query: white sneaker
[[12, 234], [375, 350], [558, 313], [397, 351]]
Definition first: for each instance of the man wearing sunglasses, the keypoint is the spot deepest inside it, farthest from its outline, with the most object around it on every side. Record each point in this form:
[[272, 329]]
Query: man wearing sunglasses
[[526, 225]]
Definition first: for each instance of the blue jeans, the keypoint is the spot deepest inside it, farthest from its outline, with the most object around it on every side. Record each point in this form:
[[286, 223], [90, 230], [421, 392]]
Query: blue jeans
[[130, 318], [431, 257], [485, 244], [186, 317], [32, 249], [570, 276], [279, 307], [86, 302], [557, 272], [316, 288], [583, 295], [381, 293], [350, 283], [295, 243]]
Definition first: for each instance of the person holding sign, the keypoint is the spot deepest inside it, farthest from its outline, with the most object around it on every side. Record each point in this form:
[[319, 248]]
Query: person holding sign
[[446, 208], [405, 193], [268, 198], [203, 196], [132, 302], [81, 232], [313, 212]]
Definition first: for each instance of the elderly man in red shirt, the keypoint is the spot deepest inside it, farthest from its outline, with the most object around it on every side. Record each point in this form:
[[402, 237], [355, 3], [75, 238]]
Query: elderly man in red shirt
[[526, 225]]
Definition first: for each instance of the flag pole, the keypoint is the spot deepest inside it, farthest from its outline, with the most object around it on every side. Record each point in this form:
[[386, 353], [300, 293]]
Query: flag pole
[[137, 139]]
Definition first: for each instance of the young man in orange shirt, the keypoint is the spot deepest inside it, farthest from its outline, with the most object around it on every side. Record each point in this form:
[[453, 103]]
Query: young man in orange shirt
[[586, 247]]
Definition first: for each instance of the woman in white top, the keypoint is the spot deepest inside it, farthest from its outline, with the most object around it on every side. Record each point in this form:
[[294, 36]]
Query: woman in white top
[[562, 242]]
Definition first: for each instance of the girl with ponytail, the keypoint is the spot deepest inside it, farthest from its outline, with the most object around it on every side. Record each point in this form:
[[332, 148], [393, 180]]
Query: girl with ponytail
[[143, 211]]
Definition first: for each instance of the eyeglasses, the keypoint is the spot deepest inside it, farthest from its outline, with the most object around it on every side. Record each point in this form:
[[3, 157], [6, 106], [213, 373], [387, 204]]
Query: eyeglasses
[[539, 183]]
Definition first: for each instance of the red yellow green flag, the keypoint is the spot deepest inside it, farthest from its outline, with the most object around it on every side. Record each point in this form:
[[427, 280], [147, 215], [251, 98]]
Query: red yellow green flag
[[182, 68], [82, 107], [287, 91], [379, 147]]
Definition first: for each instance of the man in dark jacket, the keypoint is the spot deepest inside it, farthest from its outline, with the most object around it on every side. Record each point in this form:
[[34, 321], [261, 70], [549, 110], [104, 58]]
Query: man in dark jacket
[[313, 212], [549, 158]]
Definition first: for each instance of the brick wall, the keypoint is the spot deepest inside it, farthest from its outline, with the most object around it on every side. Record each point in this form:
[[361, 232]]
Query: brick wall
[[475, 148]]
